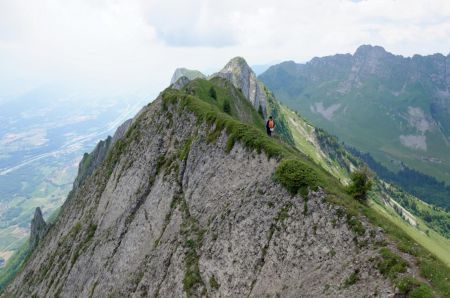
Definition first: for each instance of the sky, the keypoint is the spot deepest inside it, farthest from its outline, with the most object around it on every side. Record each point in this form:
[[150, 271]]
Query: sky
[[126, 45]]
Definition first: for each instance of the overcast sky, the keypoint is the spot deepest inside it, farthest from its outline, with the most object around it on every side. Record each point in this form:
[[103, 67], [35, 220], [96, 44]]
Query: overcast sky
[[130, 44]]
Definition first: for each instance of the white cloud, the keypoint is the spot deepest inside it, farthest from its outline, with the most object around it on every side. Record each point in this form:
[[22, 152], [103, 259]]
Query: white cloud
[[137, 43]]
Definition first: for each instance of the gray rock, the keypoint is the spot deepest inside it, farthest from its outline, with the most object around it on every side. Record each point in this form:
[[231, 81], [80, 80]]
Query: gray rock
[[242, 76], [91, 161], [38, 229], [188, 73], [180, 83], [121, 130]]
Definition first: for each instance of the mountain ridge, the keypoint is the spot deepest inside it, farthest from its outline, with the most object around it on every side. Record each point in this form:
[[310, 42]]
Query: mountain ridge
[[192, 191], [185, 225]]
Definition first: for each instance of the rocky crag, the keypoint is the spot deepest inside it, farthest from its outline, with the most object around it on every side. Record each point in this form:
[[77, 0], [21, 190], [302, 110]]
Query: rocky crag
[[242, 77], [188, 73], [38, 228]]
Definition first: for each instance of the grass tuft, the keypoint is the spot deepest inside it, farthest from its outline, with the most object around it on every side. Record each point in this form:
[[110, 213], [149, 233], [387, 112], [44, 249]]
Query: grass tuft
[[390, 265]]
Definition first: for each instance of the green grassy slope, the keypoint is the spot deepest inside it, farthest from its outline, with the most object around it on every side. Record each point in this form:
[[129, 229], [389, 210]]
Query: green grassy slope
[[367, 120], [378, 103], [437, 220], [240, 107]]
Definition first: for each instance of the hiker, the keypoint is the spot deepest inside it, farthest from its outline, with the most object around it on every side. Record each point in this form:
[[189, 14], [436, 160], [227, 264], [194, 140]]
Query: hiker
[[270, 125]]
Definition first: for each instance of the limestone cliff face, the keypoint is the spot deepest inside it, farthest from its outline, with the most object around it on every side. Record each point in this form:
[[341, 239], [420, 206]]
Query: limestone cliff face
[[38, 228], [242, 76], [168, 213], [91, 161]]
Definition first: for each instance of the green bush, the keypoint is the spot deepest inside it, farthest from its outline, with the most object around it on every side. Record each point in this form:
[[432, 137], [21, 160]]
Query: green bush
[[361, 185], [391, 264], [227, 107], [296, 176], [406, 284], [421, 292], [213, 93]]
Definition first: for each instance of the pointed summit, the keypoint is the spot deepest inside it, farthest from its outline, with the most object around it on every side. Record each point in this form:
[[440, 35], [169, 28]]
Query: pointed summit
[[38, 228], [242, 77], [188, 73]]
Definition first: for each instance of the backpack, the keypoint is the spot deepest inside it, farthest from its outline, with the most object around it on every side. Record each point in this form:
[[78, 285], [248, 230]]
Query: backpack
[[271, 124]]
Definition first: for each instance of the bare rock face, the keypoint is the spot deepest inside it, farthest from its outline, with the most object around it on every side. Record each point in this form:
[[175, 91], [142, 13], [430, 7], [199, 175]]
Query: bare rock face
[[180, 83], [120, 131], [91, 161], [38, 228], [242, 77], [170, 214], [188, 73]]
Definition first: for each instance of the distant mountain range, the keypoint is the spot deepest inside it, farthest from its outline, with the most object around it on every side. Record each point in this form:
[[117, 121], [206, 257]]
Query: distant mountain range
[[395, 108]]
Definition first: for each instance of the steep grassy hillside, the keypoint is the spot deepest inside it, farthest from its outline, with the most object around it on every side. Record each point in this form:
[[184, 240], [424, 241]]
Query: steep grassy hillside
[[395, 108], [429, 226]]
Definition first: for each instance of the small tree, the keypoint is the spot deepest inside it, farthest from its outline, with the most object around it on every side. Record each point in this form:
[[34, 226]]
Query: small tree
[[212, 93], [227, 107], [361, 184]]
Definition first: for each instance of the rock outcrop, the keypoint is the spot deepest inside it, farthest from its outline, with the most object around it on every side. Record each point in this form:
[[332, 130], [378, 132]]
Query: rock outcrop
[[91, 161], [38, 228], [242, 76], [188, 73], [180, 83]]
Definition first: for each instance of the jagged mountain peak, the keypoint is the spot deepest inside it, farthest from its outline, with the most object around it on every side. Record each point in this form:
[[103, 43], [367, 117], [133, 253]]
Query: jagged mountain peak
[[180, 83], [238, 66], [240, 74], [237, 63], [38, 228], [191, 74]]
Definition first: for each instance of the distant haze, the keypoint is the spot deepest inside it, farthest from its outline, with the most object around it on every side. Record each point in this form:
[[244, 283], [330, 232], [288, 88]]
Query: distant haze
[[136, 45]]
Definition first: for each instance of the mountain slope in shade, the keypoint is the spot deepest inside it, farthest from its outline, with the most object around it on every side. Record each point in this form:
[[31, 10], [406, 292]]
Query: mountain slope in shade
[[397, 108]]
